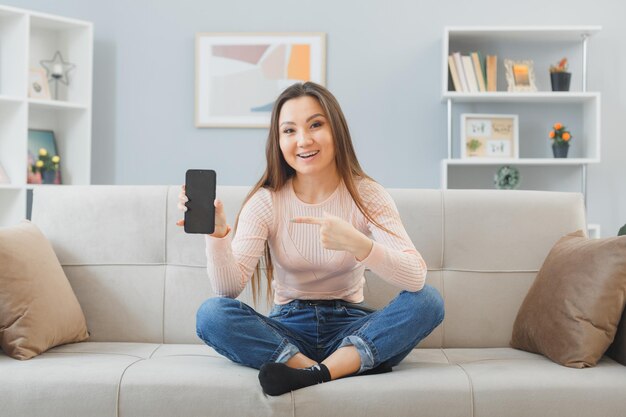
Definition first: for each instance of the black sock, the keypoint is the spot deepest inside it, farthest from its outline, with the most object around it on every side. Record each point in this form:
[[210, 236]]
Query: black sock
[[383, 368], [278, 378]]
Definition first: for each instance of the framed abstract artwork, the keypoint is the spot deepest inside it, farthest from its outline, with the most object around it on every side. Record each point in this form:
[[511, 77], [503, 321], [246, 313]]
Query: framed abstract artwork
[[240, 75]]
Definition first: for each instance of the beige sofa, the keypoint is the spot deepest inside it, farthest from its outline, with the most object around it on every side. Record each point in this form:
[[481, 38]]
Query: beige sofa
[[140, 279]]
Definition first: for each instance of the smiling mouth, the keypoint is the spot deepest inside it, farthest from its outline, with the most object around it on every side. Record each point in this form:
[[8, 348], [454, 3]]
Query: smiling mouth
[[308, 154]]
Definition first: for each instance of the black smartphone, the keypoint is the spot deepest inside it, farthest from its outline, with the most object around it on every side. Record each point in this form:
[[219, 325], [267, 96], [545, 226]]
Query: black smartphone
[[200, 190]]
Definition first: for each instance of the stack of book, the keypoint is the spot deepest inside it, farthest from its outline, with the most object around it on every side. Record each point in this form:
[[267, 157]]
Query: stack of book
[[472, 73]]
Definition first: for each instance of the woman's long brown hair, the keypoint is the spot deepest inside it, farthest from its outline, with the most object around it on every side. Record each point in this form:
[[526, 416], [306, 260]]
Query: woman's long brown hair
[[278, 172]]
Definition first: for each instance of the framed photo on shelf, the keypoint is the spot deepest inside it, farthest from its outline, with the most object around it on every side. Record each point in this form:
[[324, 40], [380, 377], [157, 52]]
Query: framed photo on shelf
[[240, 75], [42, 147], [520, 75], [38, 84], [489, 136]]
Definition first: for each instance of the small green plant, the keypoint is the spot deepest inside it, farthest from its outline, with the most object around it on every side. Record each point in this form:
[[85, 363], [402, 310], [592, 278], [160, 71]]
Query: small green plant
[[473, 145], [622, 231]]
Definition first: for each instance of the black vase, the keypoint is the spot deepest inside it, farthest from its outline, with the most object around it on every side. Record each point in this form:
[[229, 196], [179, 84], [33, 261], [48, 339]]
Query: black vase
[[560, 150], [560, 80]]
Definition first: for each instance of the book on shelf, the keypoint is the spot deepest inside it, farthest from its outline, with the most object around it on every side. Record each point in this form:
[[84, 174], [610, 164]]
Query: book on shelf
[[468, 67], [458, 62], [478, 70], [483, 67], [491, 62], [456, 82], [473, 73]]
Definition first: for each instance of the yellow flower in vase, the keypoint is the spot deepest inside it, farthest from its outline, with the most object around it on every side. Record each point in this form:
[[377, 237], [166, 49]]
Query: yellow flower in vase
[[47, 166]]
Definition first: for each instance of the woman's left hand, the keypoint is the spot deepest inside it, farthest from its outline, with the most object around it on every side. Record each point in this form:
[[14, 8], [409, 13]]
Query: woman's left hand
[[338, 234]]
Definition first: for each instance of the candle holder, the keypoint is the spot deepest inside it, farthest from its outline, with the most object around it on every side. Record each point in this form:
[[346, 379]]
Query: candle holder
[[56, 71]]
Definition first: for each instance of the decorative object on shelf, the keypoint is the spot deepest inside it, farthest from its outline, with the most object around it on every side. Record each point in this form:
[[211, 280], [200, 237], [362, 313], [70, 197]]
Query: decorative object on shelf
[[47, 166], [507, 178], [560, 140], [57, 69], [43, 159], [520, 75], [4, 178], [239, 75], [489, 136], [559, 77], [38, 84]]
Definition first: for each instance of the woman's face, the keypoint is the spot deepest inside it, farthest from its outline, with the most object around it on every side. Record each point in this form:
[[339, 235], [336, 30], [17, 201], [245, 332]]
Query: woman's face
[[306, 140]]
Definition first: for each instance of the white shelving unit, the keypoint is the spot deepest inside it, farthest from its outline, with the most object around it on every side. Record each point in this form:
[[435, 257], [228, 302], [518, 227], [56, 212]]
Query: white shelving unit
[[26, 38], [578, 109]]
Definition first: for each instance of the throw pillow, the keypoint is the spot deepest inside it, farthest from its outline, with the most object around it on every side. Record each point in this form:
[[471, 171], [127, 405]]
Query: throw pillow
[[38, 309], [572, 310]]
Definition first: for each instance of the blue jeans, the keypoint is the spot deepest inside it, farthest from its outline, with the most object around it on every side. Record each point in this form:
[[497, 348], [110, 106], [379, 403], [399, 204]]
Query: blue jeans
[[318, 328]]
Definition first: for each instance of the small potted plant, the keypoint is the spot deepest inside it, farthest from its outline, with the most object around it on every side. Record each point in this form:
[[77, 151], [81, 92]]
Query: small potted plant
[[560, 140], [559, 76], [47, 166]]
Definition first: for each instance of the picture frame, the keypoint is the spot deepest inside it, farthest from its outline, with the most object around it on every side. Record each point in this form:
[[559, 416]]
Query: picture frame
[[38, 84], [520, 75], [240, 75], [489, 136], [38, 139]]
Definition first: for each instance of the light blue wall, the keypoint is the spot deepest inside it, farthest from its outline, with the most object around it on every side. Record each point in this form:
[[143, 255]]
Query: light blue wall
[[383, 64]]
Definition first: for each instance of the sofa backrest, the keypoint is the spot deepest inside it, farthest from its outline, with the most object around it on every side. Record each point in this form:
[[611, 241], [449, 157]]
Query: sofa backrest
[[140, 278]]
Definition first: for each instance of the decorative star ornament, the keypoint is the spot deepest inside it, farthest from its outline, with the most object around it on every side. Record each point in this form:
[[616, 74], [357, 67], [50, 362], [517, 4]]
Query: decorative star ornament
[[57, 68]]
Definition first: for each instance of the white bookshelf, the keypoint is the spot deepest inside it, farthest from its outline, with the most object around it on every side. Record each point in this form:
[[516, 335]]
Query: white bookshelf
[[26, 38], [578, 109]]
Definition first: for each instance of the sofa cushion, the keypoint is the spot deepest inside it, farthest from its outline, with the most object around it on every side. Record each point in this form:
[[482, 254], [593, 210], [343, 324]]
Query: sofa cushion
[[572, 310], [38, 308], [80, 379], [506, 384], [116, 271], [189, 380], [147, 379]]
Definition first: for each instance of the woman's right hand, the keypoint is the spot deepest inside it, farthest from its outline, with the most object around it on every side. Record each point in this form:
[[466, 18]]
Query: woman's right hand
[[221, 228]]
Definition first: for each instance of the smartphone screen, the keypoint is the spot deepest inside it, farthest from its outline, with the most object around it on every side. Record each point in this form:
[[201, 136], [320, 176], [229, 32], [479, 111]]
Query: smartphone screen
[[200, 190]]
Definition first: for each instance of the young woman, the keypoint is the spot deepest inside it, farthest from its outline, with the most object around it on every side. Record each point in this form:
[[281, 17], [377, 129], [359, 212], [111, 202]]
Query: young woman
[[318, 220]]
